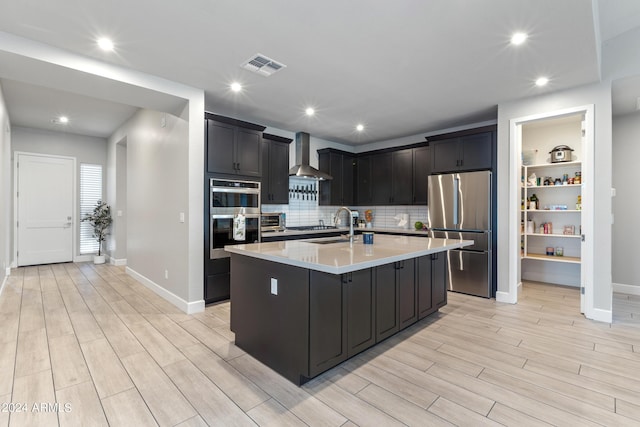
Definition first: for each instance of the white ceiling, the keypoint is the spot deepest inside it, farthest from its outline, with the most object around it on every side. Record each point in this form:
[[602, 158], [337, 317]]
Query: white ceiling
[[400, 68]]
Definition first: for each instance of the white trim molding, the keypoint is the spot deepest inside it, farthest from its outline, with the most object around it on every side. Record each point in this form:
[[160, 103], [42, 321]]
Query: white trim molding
[[601, 315], [621, 288], [187, 307], [118, 262], [4, 281], [507, 297], [515, 174]]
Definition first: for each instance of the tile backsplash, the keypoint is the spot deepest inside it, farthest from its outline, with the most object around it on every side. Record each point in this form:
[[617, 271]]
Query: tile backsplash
[[303, 208]]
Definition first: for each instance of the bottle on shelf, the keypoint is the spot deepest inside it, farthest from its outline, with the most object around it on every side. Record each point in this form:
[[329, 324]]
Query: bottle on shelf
[[534, 203]]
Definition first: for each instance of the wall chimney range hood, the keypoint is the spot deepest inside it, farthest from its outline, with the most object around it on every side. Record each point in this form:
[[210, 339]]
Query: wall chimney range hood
[[303, 169]]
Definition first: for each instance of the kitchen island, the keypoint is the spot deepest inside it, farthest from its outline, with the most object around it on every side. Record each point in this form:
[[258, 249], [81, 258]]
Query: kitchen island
[[304, 306]]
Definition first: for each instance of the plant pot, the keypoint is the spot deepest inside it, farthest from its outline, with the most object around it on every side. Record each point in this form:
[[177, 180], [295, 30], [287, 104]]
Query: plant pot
[[98, 259]]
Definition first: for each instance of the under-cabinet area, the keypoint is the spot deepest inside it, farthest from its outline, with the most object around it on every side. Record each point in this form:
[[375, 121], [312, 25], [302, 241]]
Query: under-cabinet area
[[551, 201]]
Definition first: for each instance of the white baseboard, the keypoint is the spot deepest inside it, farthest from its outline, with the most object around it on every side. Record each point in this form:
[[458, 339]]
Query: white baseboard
[[626, 289], [118, 262], [506, 297], [8, 271], [4, 281], [601, 315], [83, 258], [187, 307]]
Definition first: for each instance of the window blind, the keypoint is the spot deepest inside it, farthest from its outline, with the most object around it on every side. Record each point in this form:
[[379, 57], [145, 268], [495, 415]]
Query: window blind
[[90, 193]]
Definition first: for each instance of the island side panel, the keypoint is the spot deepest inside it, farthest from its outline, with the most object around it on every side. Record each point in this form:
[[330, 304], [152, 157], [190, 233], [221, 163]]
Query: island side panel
[[272, 328]]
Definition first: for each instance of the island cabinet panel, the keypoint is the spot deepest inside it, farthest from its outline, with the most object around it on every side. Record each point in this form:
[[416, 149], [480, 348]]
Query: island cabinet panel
[[439, 279], [407, 293], [386, 301], [341, 317], [431, 282], [273, 328], [360, 311], [327, 321], [396, 290]]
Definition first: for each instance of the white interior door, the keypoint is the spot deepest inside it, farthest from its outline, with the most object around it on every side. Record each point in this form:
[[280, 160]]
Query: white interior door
[[45, 191]]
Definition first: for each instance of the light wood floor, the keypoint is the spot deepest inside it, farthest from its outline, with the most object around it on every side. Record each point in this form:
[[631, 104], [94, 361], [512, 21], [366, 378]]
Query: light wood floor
[[108, 350]]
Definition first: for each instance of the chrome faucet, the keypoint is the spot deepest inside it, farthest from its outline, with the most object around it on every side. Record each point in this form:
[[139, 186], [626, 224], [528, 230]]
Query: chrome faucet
[[351, 216]]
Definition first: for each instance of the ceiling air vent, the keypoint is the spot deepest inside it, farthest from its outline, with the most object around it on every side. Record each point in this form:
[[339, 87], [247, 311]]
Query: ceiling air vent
[[262, 65]]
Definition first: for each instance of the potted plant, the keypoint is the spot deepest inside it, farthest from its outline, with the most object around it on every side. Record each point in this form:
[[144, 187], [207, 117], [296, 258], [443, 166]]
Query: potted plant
[[100, 220]]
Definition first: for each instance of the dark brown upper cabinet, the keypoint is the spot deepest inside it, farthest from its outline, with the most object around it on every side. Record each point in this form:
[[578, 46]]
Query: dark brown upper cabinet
[[275, 170], [234, 147], [341, 166], [462, 153]]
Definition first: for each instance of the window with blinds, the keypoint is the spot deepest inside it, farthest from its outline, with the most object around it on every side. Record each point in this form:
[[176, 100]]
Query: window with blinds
[[90, 193]]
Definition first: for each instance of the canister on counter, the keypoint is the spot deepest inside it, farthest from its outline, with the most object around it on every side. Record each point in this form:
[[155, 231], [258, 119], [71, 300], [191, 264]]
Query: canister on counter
[[559, 251], [550, 250]]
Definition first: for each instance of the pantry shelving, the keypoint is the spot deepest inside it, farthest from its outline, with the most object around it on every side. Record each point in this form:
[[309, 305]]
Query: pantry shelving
[[558, 206]]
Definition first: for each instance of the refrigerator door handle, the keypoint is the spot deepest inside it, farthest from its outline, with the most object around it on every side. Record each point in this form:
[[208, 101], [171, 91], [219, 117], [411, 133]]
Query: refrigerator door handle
[[456, 200]]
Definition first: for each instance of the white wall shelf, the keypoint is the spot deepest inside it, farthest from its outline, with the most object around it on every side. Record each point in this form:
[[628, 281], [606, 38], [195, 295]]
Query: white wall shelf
[[535, 244]]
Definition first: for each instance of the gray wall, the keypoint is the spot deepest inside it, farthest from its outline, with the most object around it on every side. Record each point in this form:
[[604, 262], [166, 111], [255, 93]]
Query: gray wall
[[86, 149], [626, 204], [5, 189], [157, 179]]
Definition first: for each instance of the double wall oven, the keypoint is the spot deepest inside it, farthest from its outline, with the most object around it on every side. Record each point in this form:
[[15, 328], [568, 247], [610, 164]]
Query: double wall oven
[[234, 217]]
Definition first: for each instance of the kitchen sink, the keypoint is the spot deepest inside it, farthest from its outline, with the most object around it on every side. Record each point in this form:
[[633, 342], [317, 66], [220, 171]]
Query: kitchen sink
[[329, 241]]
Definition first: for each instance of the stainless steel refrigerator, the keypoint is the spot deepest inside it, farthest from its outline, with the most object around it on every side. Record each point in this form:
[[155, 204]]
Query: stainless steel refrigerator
[[460, 208]]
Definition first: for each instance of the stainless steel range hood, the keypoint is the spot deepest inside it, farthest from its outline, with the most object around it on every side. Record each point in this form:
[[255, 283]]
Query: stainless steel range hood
[[303, 169]]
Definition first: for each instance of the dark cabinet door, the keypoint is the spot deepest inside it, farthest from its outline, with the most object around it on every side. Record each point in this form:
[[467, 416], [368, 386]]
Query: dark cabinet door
[[386, 301], [381, 170], [220, 148], [431, 278], [402, 177], [339, 190], [248, 152], [347, 172], [326, 188], [465, 153], [439, 279], [445, 155], [363, 180], [275, 173], [407, 293], [421, 171], [233, 150], [476, 151], [360, 311], [327, 321], [423, 279]]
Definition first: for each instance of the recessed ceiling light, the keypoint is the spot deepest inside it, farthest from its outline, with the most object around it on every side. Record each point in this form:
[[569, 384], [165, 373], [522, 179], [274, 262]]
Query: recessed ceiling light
[[105, 44], [236, 87], [542, 81], [518, 38], [309, 111], [360, 127], [62, 120]]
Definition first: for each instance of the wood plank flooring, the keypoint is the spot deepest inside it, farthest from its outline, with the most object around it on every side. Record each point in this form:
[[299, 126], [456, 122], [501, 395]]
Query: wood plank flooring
[[87, 345]]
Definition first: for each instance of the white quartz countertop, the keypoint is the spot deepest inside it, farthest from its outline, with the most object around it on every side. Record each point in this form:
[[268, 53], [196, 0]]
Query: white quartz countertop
[[344, 257]]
